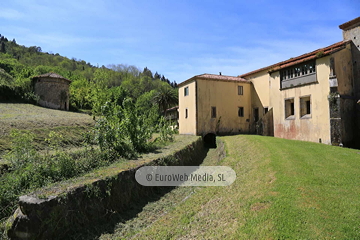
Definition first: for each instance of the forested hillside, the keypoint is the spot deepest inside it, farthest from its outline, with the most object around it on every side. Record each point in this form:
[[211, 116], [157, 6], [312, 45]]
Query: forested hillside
[[91, 86], [128, 105]]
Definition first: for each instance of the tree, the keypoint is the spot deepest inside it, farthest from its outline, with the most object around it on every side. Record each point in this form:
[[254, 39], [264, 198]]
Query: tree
[[5, 78], [157, 76], [2, 49], [148, 73], [165, 98], [124, 129], [145, 101]]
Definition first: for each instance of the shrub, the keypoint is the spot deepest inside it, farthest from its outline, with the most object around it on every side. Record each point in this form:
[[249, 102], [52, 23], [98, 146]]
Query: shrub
[[166, 130], [124, 129], [22, 151]]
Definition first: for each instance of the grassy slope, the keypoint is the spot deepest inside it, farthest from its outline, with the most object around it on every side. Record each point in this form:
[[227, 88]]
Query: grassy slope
[[41, 121], [28, 116], [284, 190]]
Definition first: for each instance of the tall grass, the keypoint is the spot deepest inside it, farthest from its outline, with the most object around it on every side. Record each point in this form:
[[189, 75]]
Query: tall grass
[[30, 170]]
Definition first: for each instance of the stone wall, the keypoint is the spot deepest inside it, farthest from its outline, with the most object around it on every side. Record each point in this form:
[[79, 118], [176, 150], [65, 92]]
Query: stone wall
[[53, 92], [356, 69], [67, 212]]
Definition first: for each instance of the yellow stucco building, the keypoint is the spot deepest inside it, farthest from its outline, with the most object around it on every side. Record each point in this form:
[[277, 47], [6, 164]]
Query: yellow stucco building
[[214, 104], [311, 97]]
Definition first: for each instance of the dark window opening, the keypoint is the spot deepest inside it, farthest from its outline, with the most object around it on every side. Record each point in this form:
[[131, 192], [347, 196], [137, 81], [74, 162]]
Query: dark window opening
[[305, 106], [241, 112], [186, 91], [186, 113], [266, 110], [213, 112], [333, 89], [289, 108], [256, 114], [292, 109], [308, 107], [332, 67]]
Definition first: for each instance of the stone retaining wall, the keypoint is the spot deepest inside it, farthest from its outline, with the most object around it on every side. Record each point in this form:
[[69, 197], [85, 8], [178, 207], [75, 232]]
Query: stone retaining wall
[[59, 216]]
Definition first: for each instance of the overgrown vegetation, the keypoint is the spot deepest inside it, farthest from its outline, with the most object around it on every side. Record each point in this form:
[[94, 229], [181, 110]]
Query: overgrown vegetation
[[29, 169], [121, 132], [126, 130], [127, 104]]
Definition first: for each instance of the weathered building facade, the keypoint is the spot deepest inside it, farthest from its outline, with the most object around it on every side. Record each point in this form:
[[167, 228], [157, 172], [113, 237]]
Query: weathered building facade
[[214, 104], [311, 97], [53, 90]]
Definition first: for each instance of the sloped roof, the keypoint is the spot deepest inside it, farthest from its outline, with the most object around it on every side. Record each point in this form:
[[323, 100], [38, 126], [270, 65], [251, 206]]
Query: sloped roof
[[350, 23], [302, 58], [215, 77], [51, 75]]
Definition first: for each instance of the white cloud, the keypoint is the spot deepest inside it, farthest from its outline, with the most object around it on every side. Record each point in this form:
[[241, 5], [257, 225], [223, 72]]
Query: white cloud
[[10, 14]]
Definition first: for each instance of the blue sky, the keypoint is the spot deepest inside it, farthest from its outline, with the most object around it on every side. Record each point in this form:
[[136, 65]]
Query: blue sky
[[178, 38]]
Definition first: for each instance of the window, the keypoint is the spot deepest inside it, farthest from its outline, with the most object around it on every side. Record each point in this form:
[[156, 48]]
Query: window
[[186, 113], [186, 91], [299, 74], [241, 111], [266, 109], [256, 114], [298, 70], [332, 67], [240, 90], [289, 108], [213, 112], [305, 106]]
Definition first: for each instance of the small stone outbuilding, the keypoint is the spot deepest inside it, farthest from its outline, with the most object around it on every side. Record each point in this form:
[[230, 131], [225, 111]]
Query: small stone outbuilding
[[53, 90]]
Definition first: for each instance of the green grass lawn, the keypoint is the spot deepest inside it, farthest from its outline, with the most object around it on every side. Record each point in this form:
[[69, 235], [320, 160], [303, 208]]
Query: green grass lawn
[[284, 190]]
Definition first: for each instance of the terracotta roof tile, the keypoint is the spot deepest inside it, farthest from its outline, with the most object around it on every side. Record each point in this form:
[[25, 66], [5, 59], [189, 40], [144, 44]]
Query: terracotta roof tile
[[215, 77], [302, 58], [51, 75], [350, 23]]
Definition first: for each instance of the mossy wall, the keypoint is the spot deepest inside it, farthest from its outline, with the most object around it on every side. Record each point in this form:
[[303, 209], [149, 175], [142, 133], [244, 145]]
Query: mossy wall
[[59, 216]]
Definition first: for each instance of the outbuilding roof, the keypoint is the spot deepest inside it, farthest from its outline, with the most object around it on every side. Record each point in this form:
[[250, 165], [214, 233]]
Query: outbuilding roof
[[215, 77], [302, 58], [51, 75]]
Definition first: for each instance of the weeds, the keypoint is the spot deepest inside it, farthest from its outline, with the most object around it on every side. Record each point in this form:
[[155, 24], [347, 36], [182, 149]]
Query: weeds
[[127, 131], [122, 131], [165, 130], [31, 170], [22, 151]]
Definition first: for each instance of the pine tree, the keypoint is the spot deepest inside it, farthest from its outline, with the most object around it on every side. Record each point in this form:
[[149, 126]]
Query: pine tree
[[2, 48]]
